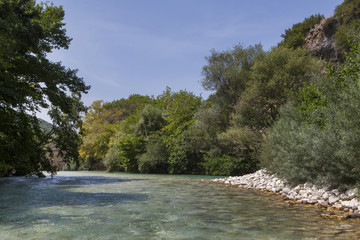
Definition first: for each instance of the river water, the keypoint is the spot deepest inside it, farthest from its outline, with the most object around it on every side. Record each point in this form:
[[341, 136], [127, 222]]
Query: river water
[[96, 205]]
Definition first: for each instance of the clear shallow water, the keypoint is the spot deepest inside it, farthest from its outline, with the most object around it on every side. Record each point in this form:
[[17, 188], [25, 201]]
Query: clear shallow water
[[87, 205]]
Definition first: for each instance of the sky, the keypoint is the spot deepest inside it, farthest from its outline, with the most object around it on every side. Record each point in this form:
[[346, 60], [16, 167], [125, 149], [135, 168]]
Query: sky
[[124, 47]]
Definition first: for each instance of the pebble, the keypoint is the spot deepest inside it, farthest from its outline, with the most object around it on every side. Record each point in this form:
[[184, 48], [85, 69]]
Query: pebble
[[306, 193]]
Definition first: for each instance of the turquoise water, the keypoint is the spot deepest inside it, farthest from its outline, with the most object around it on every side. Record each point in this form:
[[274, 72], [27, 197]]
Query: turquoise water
[[87, 205]]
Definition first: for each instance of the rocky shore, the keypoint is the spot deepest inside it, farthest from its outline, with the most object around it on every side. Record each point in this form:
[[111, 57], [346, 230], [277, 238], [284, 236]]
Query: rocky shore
[[332, 199]]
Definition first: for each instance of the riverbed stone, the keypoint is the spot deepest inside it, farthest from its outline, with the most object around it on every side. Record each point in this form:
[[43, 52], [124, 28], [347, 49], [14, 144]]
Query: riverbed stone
[[326, 196], [323, 203], [307, 193], [353, 204], [333, 199], [338, 206], [314, 198], [286, 190], [297, 188], [336, 192], [352, 193], [344, 197]]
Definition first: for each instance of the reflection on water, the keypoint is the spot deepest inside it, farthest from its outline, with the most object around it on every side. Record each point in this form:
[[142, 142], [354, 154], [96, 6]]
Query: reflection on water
[[85, 205]]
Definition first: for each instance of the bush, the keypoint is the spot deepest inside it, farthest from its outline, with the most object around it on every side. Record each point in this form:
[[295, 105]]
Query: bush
[[228, 166], [124, 152], [348, 11], [347, 34], [348, 16], [155, 159], [321, 144], [113, 162], [184, 158]]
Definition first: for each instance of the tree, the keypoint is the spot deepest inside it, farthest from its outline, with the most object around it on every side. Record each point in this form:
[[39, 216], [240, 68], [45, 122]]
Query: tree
[[227, 73], [104, 120], [29, 81], [275, 78], [318, 138], [150, 120], [155, 159], [179, 110], [347, 15]]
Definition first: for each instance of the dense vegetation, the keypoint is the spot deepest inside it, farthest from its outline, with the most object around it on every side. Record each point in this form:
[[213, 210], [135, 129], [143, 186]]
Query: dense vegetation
[[178, 132], [29, 81], [281, 109], [317, 136], [278, 109]]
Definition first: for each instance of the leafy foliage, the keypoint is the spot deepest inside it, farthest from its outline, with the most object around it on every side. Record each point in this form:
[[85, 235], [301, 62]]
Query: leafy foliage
[[29, 81], [227, 73], [103, 120], [180, 108], [155, 159], [276, 77], [302, 148], [278, 107], [348, 16], [348, 11]]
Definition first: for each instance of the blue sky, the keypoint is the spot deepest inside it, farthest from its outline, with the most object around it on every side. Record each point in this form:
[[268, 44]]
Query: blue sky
[[122, 47]]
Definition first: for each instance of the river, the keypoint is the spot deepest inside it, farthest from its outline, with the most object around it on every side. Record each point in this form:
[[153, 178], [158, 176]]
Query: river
[[97, 205]]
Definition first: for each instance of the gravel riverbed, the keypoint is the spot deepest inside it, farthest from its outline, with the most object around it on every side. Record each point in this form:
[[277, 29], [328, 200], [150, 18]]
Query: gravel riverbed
[[333, 199]]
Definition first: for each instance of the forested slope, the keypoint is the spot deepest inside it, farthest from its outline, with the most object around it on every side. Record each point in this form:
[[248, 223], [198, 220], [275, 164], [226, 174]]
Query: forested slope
[[292, 109]]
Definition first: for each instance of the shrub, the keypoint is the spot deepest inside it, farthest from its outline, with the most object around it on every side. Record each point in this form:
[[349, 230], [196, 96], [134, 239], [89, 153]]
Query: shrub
[[155, 159], [301, 148], [227, 166]]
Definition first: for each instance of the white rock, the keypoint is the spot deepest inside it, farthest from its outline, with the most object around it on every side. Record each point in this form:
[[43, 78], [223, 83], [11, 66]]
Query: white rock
[[323, 203], [316, 193], [326, 196], [297, 188], [315, 198], [351, 193], [286, 190], [303, 192], [344, 197], [333, 199], [336, 192], [353, 204]]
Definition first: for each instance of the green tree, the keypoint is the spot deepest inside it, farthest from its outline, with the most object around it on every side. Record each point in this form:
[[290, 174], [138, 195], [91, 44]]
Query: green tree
[[155, 159], [276, 77], [179, 110], [319, 142], [151, 120], [227, 73], [103, 120], [347, 15], [29, 81]]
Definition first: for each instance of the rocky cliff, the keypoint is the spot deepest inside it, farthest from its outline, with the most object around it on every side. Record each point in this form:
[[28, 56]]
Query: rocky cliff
[[321, 43]]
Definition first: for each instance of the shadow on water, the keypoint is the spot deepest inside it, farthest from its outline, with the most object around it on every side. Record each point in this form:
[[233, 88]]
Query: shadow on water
[[64, 180], [110, 206], [27, 201], [21, 196]]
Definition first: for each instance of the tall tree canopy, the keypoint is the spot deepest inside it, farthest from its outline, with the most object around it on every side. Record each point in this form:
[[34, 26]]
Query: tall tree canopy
[[29, 81]]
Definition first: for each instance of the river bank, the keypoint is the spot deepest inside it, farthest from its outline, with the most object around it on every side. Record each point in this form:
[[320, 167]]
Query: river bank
[[345, 203], [99, 205]]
